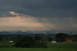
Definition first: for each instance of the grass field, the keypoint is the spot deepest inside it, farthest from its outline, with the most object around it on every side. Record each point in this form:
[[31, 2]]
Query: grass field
[[51, 47], [63, 45], [37, 49]]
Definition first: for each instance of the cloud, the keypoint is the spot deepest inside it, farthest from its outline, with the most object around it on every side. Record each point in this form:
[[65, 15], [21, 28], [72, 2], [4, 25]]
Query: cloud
[[23, 23], [6, 14], [41, 8], [43, 14], [69, 23]]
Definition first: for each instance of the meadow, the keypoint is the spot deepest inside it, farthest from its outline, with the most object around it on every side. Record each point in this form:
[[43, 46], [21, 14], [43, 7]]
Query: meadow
[[37, 49], [51, 47]]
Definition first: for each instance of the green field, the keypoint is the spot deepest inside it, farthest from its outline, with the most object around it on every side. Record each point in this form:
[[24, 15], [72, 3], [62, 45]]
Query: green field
[[37, 49], [63, 45], [51, 47]]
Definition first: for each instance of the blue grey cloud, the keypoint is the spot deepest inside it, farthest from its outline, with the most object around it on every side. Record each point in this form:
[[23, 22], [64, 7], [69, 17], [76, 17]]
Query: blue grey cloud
[[61, 13], [4, 13], [41, 8]]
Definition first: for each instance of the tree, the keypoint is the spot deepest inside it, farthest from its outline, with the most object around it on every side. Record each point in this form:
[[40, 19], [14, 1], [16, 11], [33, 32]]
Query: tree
[[38, 38], [60, 37], [39, 42], [49, 39], [1, 37], [24, 42], [29, 42], [75, 38]]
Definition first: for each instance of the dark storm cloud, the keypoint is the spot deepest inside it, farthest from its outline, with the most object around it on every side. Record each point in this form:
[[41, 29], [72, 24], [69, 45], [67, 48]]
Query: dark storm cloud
[[41, 8], [4, 13]]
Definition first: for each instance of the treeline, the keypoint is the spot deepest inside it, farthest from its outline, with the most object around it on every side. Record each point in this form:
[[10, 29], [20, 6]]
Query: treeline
[[30, 42], [58, 37], [36, 41]]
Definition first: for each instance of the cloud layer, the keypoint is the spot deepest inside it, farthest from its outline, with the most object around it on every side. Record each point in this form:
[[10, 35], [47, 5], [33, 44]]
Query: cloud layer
[[41, 8], [23, 23], [38, 15]]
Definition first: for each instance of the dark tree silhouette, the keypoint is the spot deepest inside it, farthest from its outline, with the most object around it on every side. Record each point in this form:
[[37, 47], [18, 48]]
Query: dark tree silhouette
[[75, 38], [30, 42], [1, 37], [60, 37], [49, 39]]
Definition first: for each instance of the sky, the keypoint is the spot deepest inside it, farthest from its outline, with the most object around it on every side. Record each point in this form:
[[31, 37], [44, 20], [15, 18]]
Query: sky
[[38, 15]]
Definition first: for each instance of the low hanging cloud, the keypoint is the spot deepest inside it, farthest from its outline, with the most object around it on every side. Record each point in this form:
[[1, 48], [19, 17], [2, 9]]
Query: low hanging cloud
[[38, 15], [23, 22], [66, 23]]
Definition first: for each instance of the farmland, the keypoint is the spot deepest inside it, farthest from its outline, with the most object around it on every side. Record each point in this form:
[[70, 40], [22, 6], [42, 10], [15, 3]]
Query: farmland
[[51, 47], [37, 49]]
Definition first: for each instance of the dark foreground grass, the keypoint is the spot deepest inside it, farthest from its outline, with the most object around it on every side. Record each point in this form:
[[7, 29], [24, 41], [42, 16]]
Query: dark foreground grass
[[38, 49], [51, 47], [63, 45], [6, 44]]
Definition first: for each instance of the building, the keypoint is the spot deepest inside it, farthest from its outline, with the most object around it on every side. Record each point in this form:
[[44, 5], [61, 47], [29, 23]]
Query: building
[[69, 39]]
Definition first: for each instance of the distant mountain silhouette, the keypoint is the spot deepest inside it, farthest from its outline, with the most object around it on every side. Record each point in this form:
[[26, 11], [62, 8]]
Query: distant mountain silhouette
[[33, 32]]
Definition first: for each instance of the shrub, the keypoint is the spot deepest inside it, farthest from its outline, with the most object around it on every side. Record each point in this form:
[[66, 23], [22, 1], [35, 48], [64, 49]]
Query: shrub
[[30, 42]]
